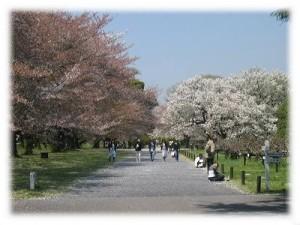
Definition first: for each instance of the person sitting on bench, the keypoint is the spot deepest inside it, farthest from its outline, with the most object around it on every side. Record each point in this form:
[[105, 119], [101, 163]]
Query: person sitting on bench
[[213, 174]]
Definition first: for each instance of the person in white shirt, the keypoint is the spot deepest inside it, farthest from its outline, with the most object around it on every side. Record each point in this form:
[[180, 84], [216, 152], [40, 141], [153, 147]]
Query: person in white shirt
[[199, 161], [164, 151]]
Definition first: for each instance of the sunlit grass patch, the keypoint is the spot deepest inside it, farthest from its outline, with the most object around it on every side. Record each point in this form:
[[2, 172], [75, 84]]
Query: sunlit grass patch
[[56, 173]]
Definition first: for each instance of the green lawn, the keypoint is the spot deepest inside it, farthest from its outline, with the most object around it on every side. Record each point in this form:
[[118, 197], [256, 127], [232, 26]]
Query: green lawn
[[57, 172], [253, 168]]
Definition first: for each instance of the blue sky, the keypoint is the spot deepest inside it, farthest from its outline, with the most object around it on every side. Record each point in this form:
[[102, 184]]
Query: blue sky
[[173, 46]]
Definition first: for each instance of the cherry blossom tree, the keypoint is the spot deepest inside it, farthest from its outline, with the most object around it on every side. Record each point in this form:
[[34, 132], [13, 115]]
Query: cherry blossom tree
[[267, 88], [229, 108], [67, 72]]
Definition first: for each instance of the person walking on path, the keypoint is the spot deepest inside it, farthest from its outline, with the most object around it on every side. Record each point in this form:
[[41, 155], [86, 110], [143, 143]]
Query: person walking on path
[[138, 149], [176, 148], [154, 151], [164, 150], [112, 151], [151, 150], [170, 146], [210, 152]]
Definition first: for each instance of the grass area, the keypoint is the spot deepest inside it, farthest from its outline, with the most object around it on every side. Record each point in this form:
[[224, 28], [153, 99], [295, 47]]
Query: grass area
[[253, 168], [86, 145], [57, 172]]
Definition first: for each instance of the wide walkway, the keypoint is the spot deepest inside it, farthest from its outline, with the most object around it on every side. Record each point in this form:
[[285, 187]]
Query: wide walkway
[[153, 187]]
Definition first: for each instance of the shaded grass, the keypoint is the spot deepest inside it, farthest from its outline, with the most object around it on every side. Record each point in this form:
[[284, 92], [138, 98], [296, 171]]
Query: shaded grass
[[57, 172], [253, 168]]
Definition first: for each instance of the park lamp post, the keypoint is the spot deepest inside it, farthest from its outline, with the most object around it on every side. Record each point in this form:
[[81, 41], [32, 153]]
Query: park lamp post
[[266, 149]]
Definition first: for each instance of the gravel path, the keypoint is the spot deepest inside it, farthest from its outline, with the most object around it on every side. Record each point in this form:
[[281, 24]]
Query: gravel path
[[153, 187]]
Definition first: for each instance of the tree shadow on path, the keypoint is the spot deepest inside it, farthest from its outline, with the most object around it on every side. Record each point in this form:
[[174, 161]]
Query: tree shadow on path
[[276, 205], [102, 177]]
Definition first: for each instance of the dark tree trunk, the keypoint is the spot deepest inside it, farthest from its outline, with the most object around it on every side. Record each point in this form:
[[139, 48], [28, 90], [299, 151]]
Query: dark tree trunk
[[97, 143], [29, 146], [77, 142], [22, 142], [187, 141], [80, 142], [14, 144], [39, 145]]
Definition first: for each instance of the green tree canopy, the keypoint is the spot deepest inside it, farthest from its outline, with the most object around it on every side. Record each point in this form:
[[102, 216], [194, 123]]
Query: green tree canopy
[[282, 123], [138, 84]]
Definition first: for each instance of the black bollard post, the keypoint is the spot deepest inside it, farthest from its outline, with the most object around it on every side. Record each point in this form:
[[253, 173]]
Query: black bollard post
[[258, 184], [44, 155], [231, 173], [243, 177], [245, 158], [222, 168]]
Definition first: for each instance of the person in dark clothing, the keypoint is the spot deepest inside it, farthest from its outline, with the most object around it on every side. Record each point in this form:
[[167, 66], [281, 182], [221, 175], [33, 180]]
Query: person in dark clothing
[[151, 147], [114, 147], [213, 174], [138, 149], [176, 148], [111, 151]]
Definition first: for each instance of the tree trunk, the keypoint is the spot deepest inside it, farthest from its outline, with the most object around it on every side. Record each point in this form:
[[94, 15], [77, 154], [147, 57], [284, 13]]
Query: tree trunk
[[77, 145], [187, 141], [29, 146], [14, 144], [97, 143]]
